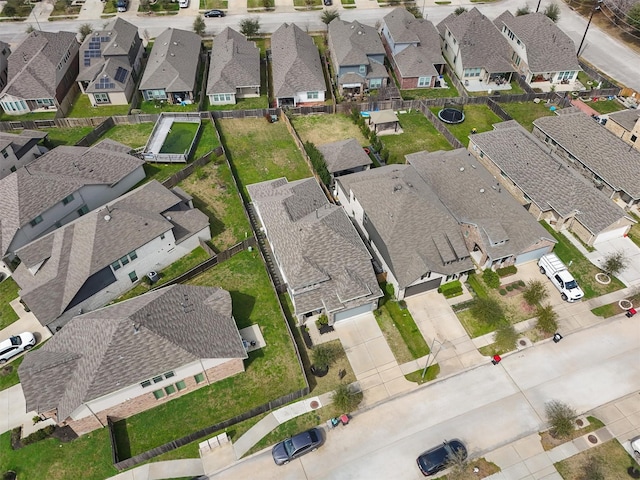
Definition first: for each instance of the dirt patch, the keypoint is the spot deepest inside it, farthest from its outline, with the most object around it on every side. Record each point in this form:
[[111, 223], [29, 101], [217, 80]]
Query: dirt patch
[[320, 129]]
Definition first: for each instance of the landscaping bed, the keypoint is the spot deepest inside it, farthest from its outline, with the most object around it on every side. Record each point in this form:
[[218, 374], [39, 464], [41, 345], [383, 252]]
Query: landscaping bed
[[549, 442]]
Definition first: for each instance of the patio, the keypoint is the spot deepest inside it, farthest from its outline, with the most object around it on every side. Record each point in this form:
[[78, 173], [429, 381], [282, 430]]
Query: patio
[[494, 82]]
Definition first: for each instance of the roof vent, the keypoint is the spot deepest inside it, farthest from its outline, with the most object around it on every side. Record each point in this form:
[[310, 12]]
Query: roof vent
[[462, 169], [168, 217], [482, 190], [107, 218]]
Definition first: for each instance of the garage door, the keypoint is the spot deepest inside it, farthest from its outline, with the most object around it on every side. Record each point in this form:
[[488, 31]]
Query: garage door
[[533, 255], [422, 287], [617, 233], [352, 312]]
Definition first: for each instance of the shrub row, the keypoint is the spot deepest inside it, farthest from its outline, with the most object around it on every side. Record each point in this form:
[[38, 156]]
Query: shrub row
[[450, 289], [317, 160], [376, 143], [506, 271]]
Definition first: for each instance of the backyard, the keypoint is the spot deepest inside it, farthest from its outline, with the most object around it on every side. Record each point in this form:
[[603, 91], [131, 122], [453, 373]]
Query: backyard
[[320, 129], [417, 93], [606, 106], [135, 135], [526, 112], [180, 137], [479, 117], [65, 136], [82, 107]]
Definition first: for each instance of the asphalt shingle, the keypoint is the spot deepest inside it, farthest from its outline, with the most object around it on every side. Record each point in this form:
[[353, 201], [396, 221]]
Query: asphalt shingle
[[235, 63]]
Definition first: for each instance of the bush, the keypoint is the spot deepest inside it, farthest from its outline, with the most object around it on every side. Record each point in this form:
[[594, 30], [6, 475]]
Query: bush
[[38, 435], [317, 160], [560, 417], [521, 283], [506, 336], [323, 355], [250, 27], [477, 286], [506, 271], [547, 319], [322, 320], [535, 292], [345, 399], [450, 289], [491, 278], [503, 292], [509, 288], [487, 310]]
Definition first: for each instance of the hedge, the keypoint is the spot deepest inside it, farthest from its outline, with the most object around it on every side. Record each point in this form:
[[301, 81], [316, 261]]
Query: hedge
[[450, 289], [506, 271], [491, 278]]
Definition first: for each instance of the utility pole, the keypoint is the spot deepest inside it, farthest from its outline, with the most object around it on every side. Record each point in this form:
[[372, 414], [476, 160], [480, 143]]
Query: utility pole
[[596, 7]]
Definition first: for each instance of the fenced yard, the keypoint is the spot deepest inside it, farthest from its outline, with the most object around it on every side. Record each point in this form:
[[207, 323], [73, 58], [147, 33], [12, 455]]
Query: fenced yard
[[320, 129], [477, 116], [526, 112]]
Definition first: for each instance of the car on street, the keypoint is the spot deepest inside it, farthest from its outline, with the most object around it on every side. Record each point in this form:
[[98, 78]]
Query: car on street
[[635, 446], [328, 3], [16, 345], [122, 5], [297, 446], [214, 13], [183, 3], [436, 459]]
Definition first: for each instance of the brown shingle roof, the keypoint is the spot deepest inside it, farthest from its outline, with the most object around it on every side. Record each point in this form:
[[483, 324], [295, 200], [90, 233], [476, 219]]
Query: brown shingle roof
[[343, 155]]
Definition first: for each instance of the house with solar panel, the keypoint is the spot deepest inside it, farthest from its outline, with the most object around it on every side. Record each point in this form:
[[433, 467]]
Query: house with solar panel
[[110, 60]]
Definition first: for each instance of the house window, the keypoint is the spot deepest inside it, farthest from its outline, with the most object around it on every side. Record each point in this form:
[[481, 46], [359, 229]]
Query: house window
[[124, 260], [633, 139], [222, 97], [115, 265], [13, 169], [312, 95], [375, 83], [158, 379], [133, 277], [83, 211], [169, 374], [472, 72], [170, 389], [162, 237], [5, 154], [67, 200], [133, 255], [155, 94], [145, 384], [199, 378], [565, 76], [158, 394], [101, 98], [44, 102], [181, 385], [454, 59], [363, 69], [424, 81], [36, 221]]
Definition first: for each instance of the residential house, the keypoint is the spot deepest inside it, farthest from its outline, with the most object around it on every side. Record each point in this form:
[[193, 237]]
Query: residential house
[[325, 265], [234, 72], [20, 149], [357, 57], [415, 239], [413, 49], [172, 68], [296, 68], [42, 71], [497, 230], [476, 50], [543, 54], [132, 356], [111, 60], [60, 186], [5, 51], [344, 157], [595, 152], [87, 263], [625, 124], [546, 186]]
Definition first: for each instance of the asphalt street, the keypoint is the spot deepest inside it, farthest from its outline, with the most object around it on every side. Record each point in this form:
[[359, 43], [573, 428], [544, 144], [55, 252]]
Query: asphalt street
[[486, 408]]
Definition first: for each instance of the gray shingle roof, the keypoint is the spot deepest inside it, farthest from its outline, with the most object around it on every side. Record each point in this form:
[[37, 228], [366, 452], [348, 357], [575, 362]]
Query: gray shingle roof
[[544, 178], [235, 63], [108, 74], [548, 48], [397, 22], [30, 191], [481, 43], [353, 42], [85, 246], [173, 62], [296, 63], [123, 344], [419, 234], [344, 155], [33, 66], [627, 119], [474, 197], [22, 141], [600, 150], [318, 248]]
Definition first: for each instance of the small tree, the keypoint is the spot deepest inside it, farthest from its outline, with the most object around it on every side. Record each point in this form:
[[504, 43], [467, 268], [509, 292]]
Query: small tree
[[560, 417], [524, 10], [491, 278], [535, 292], [29, 29], [85, 30], [459, 11], [592, 469], [250, 27], [345, 399], [615, 262], [547, 319], [329, 15], [199, 26], [145, 5], [459, 467], [323, 356], [487, 310], [633, 16], [268, 4], [413, 10], [553, 12], [506, 336]]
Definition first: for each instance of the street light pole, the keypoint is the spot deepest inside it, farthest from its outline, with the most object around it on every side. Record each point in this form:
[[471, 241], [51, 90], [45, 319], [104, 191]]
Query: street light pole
[[595, 8], [538, 7], [34, 16], [432, 356]]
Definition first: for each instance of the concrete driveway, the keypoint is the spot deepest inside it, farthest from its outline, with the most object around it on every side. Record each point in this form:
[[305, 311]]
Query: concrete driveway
[[631, 274]]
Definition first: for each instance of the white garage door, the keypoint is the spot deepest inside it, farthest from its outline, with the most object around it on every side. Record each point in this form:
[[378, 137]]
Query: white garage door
[[617, 233], [533, 255], [352, 312]]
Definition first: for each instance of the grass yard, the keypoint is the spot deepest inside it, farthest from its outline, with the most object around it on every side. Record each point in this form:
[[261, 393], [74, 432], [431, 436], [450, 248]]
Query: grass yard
[[416, 93], [613, 458], [44, 115], [260, 151], [9, 374], [65, 136], [160, 171], [8, 292], [418, 135], [526, 112], [270, 372], [582, 269], [180, 137], [153, 107], [214, 4], [416, 377], [135, 135], [606, 106], [82, 107], [612, 309], [479, 117], [208, 140], [63, 7], [242, 103], [634, 233], [320, 129]]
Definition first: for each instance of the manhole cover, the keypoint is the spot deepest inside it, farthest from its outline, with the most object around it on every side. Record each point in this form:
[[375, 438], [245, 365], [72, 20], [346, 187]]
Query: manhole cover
[[592, 439], [522, 342], [315, 404], [579, 422]]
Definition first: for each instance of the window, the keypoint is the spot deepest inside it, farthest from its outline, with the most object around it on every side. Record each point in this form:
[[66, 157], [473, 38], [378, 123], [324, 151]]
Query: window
[[565, 76], [375, 83], [312, 95], [133, 255], [472, 72], [181, 385], [158, 394], [133, 277], [170, 389], [169, 374], [145, 384], [424, 81], [67, 200], [83, 211], [199, 378], [362, 69], [5, 154], [115, 265], [13, 169], [44, 102], [101, 98], [633, 140], [124, 260], [36, 221], [158, 379], [162, 237], [222, 97]]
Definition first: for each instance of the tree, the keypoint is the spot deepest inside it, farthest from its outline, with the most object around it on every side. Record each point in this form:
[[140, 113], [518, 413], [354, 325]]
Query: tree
[[329, 15], [547, 319], [459, 467], [535, 292], [85, 30], [268, 4], [323, 356], [560, 417], [459, 11], [592, 469], [506, 336], [524, 10], [553, 12], [145, 5], [250, 27], [491, 278], [487, 310], [199, 26], [413, 10], [345, 399], [633, 16], [615, 262]]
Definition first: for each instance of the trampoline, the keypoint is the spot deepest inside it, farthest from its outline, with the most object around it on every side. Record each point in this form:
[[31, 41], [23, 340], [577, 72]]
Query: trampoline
[[451, 114]]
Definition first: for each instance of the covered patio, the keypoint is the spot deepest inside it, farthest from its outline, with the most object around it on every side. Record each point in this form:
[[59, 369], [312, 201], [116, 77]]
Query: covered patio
[[384, 121]]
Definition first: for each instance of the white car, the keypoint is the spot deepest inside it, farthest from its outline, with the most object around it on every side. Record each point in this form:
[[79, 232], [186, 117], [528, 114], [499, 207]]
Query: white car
[[635, 446], [184, 3], [15, 345]]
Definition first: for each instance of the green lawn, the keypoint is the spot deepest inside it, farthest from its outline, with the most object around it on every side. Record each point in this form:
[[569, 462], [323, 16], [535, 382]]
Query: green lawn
[[211, 4], [9, 374], [582, 269], [242, 104], [432, 373], [414, 94], [208, 140], [270, 372], [135, 135], [160, 171], [65, 136], [479, 117], [634, 233], [8, 292], [63, 7], [418, 135], [612, 309], [526, 112], [612, 457], [179, 138], [260, 151], [151, 107], [606, 106], [82, 108], [48, 115]]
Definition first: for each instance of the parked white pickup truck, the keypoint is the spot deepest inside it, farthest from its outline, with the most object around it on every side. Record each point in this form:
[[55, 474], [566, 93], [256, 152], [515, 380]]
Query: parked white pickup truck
[[552, 267]]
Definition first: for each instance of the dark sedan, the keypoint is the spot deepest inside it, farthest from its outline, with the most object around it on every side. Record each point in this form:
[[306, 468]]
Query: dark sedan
[[297, 446], [436, 459], [214, 13]]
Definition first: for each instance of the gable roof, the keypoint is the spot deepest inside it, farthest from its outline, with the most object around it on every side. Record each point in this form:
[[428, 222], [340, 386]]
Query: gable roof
[[418, 233], [397, 22], [113, 77], [627, 119], [548, 48], [32, 190], [322, 256], [296, 63], [496, 214], [481, 43], [173, 62], [599, 149], [21, 142], [77, 250], [235, 63], [123, 344], [343, 155], [544, 178], [33, 66], [353, 42]]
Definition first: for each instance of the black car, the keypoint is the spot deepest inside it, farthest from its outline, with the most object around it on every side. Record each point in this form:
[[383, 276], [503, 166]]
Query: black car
[[328, 2], [297, 446], [434, 460], [214, 13]]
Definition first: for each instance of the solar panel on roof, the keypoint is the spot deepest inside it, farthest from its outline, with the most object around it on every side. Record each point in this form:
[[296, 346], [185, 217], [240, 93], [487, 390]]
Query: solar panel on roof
[[94, 45], [121, 75], [87, 62]]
